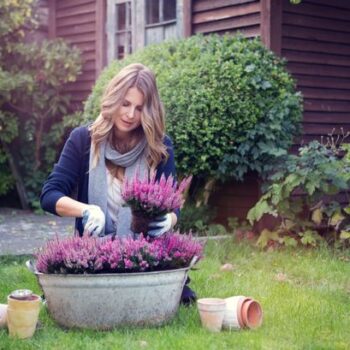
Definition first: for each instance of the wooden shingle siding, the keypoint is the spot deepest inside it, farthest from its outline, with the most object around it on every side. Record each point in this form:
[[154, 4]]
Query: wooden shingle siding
[[234, 199], [74, 9], [223, 16], [316, 44], [75, 21]]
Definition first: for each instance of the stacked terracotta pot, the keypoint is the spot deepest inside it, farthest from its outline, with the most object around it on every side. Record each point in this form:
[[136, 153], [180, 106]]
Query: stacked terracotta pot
[[232, 313]]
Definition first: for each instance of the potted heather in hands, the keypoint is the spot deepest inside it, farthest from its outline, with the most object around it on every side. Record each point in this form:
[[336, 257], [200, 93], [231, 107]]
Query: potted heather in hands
[[150, 199]]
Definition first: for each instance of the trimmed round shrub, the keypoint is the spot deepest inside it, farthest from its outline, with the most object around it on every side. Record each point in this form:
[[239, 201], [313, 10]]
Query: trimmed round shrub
[[231, 106]]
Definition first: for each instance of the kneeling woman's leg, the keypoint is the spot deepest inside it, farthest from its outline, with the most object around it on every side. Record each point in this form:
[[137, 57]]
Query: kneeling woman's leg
[[188, 296]]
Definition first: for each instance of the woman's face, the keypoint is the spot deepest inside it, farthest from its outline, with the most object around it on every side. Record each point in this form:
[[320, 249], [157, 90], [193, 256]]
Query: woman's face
[[128, 116]]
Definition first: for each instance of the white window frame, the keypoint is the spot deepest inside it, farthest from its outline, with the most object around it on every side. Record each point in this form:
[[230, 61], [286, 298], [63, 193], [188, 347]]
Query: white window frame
[[138, 25]]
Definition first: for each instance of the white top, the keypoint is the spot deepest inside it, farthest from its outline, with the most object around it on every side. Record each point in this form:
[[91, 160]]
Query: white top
[[114, 196]]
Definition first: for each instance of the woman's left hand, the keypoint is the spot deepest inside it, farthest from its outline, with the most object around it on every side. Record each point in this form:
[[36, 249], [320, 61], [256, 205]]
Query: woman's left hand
[[161, 225]]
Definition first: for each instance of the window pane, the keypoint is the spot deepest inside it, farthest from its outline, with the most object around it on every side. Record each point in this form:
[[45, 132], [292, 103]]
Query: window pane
[[129, 14], [152, 11], [121, 16], [169, 9], [123, 41], [120, 46]]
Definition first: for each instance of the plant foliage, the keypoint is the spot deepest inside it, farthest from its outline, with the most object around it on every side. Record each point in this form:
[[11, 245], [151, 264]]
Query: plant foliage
[[32, 97], [302, 195], [77, 255]]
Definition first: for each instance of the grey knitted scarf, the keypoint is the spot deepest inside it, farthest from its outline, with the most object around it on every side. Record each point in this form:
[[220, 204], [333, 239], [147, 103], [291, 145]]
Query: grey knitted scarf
[[134, 161]]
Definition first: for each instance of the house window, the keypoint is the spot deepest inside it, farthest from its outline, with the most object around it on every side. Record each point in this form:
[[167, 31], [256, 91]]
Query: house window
[[134, 24], [123, 34], [160, 11]]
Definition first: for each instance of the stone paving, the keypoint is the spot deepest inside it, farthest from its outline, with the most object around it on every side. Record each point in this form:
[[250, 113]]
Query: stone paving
[[22, 232]]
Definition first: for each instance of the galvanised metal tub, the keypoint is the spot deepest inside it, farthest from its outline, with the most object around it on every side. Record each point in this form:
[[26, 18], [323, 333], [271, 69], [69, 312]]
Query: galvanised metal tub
[[106, 301]]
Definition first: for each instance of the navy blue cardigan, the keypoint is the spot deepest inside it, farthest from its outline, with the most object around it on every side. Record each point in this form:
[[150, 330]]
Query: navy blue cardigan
[[70, 175]]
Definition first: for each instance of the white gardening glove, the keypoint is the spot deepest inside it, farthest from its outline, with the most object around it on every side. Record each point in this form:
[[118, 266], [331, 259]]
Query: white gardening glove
[[93, 220], [160, 225]]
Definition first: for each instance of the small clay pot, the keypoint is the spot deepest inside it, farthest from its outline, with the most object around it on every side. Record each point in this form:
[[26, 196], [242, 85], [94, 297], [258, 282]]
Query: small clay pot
[[251, 313], [211, 312], [22, 315], [242, 312], [3, 315]]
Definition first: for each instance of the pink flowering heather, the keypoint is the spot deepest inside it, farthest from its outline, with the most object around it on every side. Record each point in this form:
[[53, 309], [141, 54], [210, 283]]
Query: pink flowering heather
[[108, 255], [155, 197], [70, 255]]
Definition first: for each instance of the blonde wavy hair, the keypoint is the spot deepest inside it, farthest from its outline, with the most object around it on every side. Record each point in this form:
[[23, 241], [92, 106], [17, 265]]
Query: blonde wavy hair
[[152, 116]]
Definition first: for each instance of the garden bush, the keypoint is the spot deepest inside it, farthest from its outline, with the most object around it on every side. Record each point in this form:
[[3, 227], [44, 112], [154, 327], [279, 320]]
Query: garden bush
[[303, 194], [195, 219], [231, 105], [33, 102]]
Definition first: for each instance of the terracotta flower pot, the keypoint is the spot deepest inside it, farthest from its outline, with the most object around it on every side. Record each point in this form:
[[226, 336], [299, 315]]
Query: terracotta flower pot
[[3, 315], [251, 313], [22, 315], [140, 222], [211, 311], [242, 312]]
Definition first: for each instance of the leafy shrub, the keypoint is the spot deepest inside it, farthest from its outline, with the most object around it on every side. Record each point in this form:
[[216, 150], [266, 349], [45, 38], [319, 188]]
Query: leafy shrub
[[195, 219], [231, 105], [302, 195], [33, 101]]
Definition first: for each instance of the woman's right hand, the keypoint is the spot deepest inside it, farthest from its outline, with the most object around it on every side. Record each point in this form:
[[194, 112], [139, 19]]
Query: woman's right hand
[[93, 220]]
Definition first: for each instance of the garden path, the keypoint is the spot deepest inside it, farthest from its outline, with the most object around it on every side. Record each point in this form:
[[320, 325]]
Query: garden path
[[22, 231]]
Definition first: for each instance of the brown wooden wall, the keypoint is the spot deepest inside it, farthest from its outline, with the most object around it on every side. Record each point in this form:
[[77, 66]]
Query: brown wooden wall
[[81, 23], [222, 16], [316, 43], [234, 199]]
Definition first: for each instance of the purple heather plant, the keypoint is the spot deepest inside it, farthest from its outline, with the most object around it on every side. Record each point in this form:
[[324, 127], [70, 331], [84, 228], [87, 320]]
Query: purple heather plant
[[70, 255], [155, 198], [77, 255]]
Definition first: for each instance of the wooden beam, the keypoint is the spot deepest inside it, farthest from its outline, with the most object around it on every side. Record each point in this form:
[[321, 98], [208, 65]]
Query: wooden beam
[[52, 19], [271, 24], [100, 31], [187, 17]]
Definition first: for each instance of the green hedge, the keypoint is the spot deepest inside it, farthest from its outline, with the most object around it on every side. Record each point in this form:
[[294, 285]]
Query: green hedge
[[231, 105]]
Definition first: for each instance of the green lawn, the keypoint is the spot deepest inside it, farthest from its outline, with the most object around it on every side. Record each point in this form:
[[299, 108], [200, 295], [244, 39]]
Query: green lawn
[[305, 296]]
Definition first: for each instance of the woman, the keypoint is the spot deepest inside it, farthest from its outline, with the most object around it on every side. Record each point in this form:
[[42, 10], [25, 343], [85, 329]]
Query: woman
[[127, 138], [128, 135]]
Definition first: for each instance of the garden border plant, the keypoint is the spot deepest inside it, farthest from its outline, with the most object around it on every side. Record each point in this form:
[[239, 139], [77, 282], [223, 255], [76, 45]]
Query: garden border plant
[[302, 192]]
